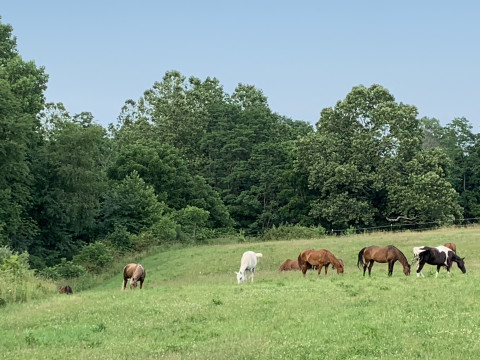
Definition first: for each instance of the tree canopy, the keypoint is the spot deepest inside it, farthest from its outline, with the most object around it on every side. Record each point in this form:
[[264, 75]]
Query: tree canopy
[[187, 161]]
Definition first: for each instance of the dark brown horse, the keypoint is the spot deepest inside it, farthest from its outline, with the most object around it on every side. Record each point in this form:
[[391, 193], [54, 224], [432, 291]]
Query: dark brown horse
[[134, 272], [451, 246], [289, 265], [66, 290], [388, 254], [310, 258]]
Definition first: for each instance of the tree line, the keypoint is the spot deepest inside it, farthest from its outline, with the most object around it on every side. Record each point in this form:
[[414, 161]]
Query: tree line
[[188, 162]]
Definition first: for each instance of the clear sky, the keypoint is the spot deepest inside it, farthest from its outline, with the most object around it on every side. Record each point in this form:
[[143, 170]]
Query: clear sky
[[303, 55]]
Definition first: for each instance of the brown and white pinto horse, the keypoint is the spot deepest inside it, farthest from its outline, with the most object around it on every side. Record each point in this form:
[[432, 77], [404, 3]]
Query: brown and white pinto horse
[[289, 265], [388, 254], [134, 273], [439, 256], [310, 258]]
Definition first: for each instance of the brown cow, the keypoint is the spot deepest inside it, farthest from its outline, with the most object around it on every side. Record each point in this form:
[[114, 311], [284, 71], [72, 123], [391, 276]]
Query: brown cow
[[66, 290], [288, 265], [134, 273]]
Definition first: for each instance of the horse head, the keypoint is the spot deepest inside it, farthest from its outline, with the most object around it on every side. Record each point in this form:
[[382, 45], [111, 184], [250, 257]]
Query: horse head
[[461, 265], [133, 283], [240, 276], [406, 269]]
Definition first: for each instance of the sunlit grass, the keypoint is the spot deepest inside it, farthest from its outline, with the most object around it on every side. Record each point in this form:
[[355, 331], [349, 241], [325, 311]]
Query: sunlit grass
[[192, 307]]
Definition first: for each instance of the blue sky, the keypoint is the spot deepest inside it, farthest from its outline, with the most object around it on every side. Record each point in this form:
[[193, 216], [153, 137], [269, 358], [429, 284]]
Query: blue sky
[[303, 55]]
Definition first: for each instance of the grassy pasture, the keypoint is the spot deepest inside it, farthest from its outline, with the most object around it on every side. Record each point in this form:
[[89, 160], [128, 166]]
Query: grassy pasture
[[192, 307]]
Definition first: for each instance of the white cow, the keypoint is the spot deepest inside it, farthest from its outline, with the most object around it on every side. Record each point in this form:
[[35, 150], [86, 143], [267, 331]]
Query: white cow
[[248, 262]]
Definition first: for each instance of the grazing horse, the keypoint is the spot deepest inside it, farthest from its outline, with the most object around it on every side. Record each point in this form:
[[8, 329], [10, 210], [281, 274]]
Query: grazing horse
[[134, 272], [309, 258], [388, 254], [248, 262], [288, 265], [340, 261], [66, 290], [440, 256], [451, 246]]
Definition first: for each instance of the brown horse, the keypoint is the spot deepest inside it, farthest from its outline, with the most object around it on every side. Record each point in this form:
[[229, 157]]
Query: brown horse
[[388, 254], [288, 265], [134, 272], [451, 246], [340, 261], [66, 290], [310, 258]]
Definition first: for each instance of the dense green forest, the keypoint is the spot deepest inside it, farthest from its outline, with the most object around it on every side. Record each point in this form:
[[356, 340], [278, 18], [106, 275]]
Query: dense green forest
[[188, 162]]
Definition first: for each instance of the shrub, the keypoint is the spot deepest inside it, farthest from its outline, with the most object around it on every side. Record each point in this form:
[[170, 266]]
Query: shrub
[[164, 230], [64, 270], [120, 239], [94, 257], [289, 232]]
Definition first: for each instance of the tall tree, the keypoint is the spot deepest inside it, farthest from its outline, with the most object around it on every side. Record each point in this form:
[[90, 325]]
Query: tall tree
[[22, 85], [70, 173], [360, 159]]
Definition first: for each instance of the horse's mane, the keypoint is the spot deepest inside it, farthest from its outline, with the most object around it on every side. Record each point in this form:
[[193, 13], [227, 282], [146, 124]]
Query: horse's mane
[[402, 257], [334, 260]]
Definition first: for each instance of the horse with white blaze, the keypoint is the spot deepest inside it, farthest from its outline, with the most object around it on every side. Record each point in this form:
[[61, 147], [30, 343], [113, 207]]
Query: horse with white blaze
[[248, 262]]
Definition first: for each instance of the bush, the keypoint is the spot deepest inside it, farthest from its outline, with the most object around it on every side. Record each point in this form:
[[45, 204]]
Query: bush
[[64, 270], [164, 230], [94, 257], [120, 239], [11, 261], [290, 232]]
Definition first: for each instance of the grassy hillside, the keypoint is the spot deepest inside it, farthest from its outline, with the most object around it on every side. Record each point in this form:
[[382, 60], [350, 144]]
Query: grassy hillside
[[192, 307]]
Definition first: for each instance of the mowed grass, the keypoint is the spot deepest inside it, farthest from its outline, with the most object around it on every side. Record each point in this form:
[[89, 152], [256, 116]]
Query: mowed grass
[[192, 307]]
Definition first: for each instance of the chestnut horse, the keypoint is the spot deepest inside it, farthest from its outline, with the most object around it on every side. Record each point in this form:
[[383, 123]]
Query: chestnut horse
[[388, 254], [340, 261], [288, 265], [451, 246], [134, 272], [310, 258]]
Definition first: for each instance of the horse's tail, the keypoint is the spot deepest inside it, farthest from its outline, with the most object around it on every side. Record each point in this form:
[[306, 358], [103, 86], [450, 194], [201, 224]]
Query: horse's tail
[[258, 255], [300, 261], [360, 258]]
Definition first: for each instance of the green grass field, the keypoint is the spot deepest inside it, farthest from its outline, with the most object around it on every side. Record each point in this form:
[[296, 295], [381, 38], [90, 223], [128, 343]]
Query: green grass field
[[192, 307]]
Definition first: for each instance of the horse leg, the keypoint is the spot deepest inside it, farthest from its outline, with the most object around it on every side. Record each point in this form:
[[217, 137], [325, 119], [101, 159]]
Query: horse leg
[[364, 268], [438, 270], [390, 268], [370, 265], [419, 269], [124, 283], [252, 273], [304, 269], [326, 267], [319, 269]]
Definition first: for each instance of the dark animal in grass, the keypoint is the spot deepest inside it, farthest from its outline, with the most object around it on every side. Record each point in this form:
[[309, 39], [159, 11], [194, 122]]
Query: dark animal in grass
[[387, 254], [66, 290], [439, 256], [309, 258], [289, 265], [135, 273]]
